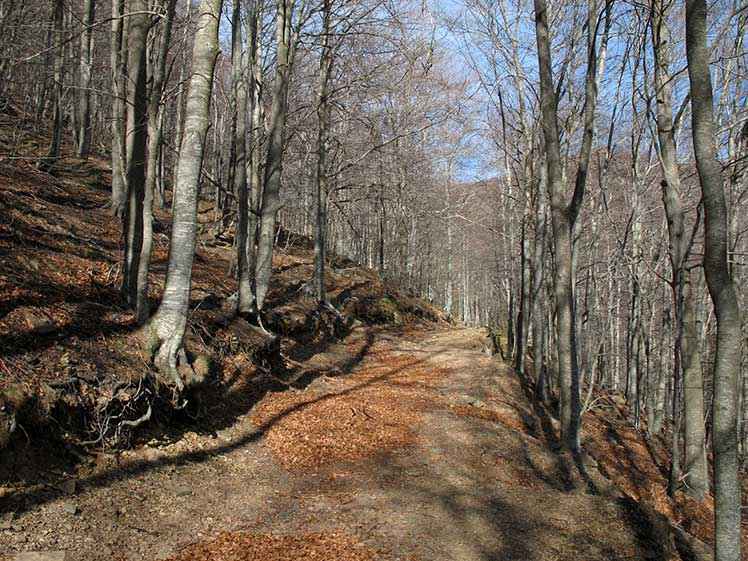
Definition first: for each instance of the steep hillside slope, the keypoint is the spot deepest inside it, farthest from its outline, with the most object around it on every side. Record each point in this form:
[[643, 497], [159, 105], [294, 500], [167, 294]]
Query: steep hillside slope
[[71, 364]]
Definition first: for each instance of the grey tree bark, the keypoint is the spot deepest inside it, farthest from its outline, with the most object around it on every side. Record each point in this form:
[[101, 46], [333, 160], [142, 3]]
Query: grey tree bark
[[53, 153], [686, 350], [323, 124], [240, 78], [694, 433], [564, 214], [167, 327], [721, 289], [118, 110], [179, 116], [271, 202], [538, 268], [83, 132], [137, 136], [155, 136], [255, 137]]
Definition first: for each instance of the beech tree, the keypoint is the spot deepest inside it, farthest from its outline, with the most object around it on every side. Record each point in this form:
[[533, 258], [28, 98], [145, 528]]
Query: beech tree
[[320, 176], [166, 328], [241, 81], [564, 213], [83, 130], [271, 202], [57, 125], [721, 289], [118, 109], [687, 356], [135, 151]]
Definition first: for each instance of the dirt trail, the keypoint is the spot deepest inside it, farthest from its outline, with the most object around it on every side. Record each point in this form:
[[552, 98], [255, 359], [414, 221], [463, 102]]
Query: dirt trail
[[436, 454]]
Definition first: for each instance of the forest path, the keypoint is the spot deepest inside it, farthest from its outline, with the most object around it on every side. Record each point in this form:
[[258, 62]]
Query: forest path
[[427, 450]]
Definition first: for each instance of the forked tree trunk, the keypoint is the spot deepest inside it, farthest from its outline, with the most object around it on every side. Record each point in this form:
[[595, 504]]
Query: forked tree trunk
[[167, 327], [564, 214], [686, 345], [568, 376], [721, 289]]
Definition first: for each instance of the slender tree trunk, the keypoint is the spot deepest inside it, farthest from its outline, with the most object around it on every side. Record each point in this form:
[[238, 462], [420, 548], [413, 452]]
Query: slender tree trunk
[[83, 133], [538, 269], [449, 289], [239, 76], [53, 154], [155, 135], [683, 300], [167, 327], [323, 119], [179, 117], [271, 202], [721, 289], [257, 116], [118, 111], [137, 136], [563, 214], [523, 314], [382, 224], [562, 225], [694, 459]]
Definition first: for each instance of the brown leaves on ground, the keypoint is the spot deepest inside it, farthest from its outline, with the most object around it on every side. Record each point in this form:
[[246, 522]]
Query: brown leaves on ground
[[628, 459], [638, 465], [506, 416], [242, 546], [366, 414], [514, 474]]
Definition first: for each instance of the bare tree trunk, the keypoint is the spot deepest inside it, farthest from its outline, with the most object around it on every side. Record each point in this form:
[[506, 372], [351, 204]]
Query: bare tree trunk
[[240, 70], [321, 189], [137, 136], [538, 319], [55, 144], [523, 314], [274, 161], [83, 132], [179, 117], [721, 289], [257, 118], [118, 111], [694, 459], [683, 301], [155, 134], [167, 327], [564, 214]]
